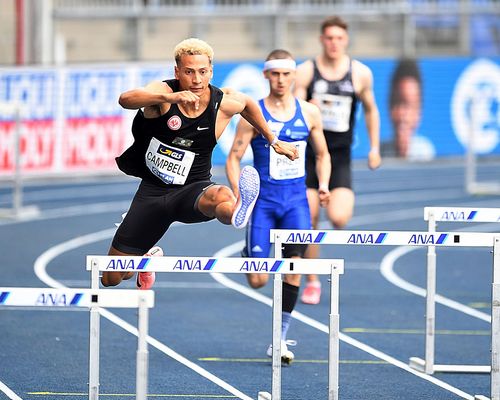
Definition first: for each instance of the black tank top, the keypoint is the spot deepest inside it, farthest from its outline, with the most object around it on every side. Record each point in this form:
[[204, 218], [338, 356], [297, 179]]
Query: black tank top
[[172, 149], [337, 101]]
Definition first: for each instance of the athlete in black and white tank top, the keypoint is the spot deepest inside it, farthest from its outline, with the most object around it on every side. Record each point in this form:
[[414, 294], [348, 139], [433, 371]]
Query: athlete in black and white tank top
[[173, 149], [337, 102]]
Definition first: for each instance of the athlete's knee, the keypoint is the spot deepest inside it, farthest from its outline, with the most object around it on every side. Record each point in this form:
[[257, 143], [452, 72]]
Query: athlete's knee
[[111, 278], [293, 280], [218, 194], [217, 201], [256, 281], [339, 221]]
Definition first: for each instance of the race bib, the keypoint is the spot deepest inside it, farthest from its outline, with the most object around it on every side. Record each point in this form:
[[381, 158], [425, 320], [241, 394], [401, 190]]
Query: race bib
[[335, 111], [168, 163], [280, 167]]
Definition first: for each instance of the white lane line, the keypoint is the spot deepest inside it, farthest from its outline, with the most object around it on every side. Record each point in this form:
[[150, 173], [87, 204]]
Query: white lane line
[[176, 356], [10, 394], [407, 196], [224, 280], [401, 215], [74, 211], [75, 192], [40, 270], [40, 266], [387, 271]]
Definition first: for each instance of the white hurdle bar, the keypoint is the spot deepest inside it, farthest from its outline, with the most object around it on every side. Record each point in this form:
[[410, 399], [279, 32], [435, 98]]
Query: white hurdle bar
[[92, 299], [238, 265], [445, 214], [413, 238]]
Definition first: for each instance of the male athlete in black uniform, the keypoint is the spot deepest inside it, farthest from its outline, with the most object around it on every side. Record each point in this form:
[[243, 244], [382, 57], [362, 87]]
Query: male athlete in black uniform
[[335, 83], [174, 138]]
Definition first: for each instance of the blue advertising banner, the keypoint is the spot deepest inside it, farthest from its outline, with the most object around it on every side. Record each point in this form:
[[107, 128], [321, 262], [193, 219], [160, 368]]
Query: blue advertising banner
[[71, 120], [428, 107]]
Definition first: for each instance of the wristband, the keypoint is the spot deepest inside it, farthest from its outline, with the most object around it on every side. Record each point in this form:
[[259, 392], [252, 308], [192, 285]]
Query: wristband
[[324, 187], [273, 142]]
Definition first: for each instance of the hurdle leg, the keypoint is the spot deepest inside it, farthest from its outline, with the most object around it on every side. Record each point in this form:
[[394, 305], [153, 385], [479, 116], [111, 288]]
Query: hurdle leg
[[430, 309], [94, 336], [333, 337], [427, 364], [142, 352], [495, 323], [277, 305], [430, 306]]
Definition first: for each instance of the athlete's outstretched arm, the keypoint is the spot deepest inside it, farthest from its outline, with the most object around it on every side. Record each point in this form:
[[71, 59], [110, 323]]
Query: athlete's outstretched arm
[[236, 102], [253, 115], [151, 95], [154, 94], [244, 134]]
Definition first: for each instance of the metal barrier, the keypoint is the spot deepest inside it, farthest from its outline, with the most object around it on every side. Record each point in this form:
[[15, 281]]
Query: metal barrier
[[275, 266], [92, 299], [435, 239]]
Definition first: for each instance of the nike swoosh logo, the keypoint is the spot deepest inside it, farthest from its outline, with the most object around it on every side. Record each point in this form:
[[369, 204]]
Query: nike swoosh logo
[[201, 129]]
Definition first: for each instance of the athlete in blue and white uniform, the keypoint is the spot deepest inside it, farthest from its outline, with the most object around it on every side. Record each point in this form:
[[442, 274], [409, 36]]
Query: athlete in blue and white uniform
[[282, 202]]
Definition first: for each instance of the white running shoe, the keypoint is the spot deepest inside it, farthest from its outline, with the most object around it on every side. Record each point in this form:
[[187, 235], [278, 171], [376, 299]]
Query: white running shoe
[[286, 355], [146, 280], [249, 187]]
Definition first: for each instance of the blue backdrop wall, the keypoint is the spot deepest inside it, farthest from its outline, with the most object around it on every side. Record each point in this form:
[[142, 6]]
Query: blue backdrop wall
[[459, 95]]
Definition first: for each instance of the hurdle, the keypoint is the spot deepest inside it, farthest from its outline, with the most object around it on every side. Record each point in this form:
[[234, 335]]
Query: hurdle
[[445, 214], [436, 239], [92, 299], [239, 265]]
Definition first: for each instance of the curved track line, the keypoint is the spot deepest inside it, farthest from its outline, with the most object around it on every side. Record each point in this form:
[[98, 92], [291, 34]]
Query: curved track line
[[222, 279], [40, 270], [387, 271]]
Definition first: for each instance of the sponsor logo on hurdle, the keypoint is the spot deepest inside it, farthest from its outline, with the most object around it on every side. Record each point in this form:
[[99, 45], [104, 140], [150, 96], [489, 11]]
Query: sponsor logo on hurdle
[[3, 297], [258, 266], [54, 299], [305, 237], [428, 238], [121, 264], [362, 238], [193, 265], [458, 216]]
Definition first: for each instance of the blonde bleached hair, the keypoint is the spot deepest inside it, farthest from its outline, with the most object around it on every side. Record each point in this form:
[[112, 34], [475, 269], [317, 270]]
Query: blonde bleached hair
[[191, 47]]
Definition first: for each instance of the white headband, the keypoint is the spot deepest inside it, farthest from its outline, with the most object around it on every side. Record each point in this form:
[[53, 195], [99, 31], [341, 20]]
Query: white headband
[[285, 63]]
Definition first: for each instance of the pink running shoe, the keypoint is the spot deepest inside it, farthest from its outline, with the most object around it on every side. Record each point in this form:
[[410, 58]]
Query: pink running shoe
[[312, 293], [146, 280]]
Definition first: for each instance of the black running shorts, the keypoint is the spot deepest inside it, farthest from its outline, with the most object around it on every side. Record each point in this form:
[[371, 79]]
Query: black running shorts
[[341, 175], [153, 210]]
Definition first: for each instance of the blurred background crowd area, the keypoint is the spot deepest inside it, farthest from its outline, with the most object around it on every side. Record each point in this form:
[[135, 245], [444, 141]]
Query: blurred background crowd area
[[52, 32], [64, 63]]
